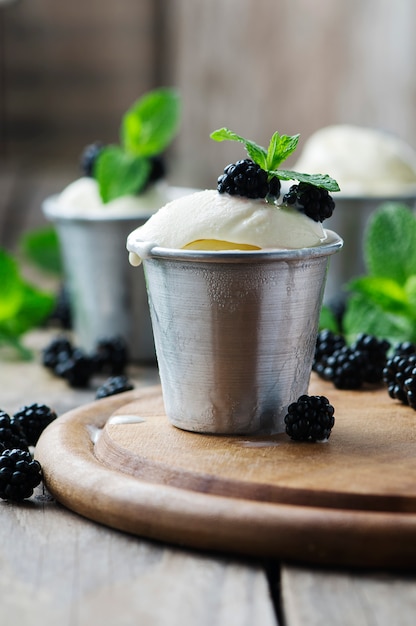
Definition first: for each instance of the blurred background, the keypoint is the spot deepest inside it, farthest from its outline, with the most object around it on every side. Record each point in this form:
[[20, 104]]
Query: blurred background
[[68, 71]]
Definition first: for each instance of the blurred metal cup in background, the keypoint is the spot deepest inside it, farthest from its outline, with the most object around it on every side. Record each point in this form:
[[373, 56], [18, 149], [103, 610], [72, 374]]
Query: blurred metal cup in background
[[108, 297], [235, 333]]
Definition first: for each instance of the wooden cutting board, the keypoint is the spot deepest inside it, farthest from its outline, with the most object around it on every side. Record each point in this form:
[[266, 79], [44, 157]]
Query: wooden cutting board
[[349, 501]]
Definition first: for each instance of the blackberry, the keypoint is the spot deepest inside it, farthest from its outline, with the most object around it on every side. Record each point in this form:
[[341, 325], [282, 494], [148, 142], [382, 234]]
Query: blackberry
[[326, 343], [375, 351], [410, 389], [311, 418], [399, 374], [404, 348], [58, 350], [77, 369], [89, 158], [10, 434], [315, 202], [111, 355], [32, 420], [19, 474], [61, 314], [344, 368], [349, 367], [157, 169], [274, 187], [244, 178], [113, 386]]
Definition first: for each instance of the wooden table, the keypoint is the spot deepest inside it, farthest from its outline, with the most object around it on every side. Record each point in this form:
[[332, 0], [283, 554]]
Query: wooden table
[[59, 568]]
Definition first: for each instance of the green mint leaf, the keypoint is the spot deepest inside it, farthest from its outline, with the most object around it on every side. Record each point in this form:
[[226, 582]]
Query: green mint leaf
[[384, 292], [22, 306], [410, 289], [364, 316], [11, 286], [41, 247], [390, 243], [319, 180], [280, 148], [254, 151], [327, 320], [8, 340], [151, 123], [119, 173], [35, 307]]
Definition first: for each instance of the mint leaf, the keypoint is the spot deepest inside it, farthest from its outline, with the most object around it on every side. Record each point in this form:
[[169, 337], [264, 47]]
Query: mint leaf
[[410, 289], [11, 286], [119, 173], [147, 128], [383, 292], [327, 320], [390, 243], [35, 307], [22, 306], [319, 180], [41, 247], [384, 302], [364, 316], [280, 148], [254, 151], [151, 123], [11, 341]]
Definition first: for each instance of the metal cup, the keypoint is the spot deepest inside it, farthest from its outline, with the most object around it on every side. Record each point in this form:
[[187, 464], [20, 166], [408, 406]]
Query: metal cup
[[108, 297], [235, 333]]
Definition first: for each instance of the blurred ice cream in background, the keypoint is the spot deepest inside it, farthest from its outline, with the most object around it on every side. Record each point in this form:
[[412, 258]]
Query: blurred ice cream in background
[[364, 161], [371, 167]]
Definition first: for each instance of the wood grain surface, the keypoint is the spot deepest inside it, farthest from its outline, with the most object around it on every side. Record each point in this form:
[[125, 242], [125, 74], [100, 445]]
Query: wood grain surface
[[58, 568], [264, 497], [337, 598]]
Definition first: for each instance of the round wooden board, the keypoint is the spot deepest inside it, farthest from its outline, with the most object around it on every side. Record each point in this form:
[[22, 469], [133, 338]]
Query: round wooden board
[[349, 501]]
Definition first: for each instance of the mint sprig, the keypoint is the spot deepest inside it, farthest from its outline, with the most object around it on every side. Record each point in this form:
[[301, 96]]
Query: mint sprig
[[41, 248], [383, 301], [120, 173], [147, 129], [22, 306], [279, 149]]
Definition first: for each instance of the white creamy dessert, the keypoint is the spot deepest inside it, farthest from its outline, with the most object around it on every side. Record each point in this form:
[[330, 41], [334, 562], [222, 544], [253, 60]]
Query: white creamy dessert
[[213, 221], [82, 197], [364, 161]]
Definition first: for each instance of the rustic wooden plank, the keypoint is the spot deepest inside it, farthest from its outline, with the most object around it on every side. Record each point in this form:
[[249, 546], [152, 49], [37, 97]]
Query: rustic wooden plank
[[39, 185], [71, 74], [9, 180], [58, 568], [336, 598], [22, 192]]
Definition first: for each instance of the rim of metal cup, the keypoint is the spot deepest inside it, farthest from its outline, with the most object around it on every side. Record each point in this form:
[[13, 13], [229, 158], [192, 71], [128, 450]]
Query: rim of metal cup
[[331, 245]]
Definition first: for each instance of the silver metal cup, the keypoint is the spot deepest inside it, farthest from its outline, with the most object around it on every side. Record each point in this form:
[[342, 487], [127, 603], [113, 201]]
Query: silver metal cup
[[108, 296], [235, 333]]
